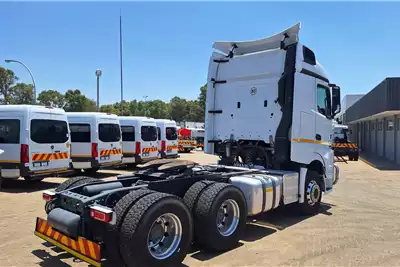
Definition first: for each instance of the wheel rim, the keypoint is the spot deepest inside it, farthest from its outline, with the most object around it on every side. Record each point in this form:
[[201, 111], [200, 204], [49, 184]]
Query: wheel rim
[[228, 217], [313, 193], [164, 236]]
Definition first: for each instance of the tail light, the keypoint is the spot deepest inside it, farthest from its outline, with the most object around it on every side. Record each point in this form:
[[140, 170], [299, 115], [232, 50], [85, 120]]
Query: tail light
[[163, 147], [48, 195], [138, 148], [95, 152], [102, 214], [24, 153]]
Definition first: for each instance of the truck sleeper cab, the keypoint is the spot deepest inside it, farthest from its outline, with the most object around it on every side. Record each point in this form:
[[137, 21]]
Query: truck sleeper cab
[[95, 140], [35, 140], [167, 138], [139, 137], [269, 103]]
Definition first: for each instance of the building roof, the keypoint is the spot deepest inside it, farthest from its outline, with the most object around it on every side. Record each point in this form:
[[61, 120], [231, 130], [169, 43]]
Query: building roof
[[383, 100]]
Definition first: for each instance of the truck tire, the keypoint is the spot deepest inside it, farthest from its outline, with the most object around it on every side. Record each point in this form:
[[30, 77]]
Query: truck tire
[[355, 158], [312, 194], [220, 217], [193, 193], [112, 236], [156, 231], [72, 182]]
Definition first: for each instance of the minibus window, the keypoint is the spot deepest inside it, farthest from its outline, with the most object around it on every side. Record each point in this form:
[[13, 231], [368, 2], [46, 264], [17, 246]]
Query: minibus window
[[9, 131], [80, 133], [158, 133], [49, 131], [109, 132], [171, 133], [149, 133], [128, 133]]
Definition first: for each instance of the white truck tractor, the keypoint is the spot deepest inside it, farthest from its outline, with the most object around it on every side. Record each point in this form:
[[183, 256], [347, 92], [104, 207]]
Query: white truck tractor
[[270, 105]]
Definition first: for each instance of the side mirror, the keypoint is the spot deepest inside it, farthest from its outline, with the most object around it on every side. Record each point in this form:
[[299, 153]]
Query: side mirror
[[335, 100]]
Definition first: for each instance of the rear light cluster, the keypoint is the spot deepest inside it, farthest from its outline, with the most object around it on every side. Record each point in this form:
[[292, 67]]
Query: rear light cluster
[[163, 145], [138, 148], [102, 214], [48, 195], [95, 152], [24, 153]]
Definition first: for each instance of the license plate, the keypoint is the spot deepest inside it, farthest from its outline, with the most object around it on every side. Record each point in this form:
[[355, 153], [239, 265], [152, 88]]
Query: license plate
[[41, 164], [81, 248]]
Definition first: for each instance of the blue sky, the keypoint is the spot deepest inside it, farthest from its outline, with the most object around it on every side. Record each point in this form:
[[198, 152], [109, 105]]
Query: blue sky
[[167, 45]]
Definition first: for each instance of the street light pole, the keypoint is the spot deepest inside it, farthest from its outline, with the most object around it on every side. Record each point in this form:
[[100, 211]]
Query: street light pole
[[30, 73], [98, 74]]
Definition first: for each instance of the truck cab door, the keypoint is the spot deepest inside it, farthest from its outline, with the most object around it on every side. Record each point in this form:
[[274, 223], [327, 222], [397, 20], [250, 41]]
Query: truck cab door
[[323, 130]]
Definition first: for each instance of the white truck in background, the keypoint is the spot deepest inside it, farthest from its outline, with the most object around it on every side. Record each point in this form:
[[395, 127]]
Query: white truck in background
[[270, 105]]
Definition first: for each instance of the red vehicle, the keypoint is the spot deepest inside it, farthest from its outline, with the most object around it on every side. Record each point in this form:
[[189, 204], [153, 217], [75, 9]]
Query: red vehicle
[[186, 142]]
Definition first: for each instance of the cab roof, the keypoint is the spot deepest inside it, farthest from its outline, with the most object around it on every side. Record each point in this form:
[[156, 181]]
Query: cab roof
[[272, 42]]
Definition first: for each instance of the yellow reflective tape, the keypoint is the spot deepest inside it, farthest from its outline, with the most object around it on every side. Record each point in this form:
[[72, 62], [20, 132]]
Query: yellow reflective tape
[[73, 244], [76, 254], [91, 249], [64, 240], [43, 227], [269, 189], [81, 246], [49, 231], [56, 234]]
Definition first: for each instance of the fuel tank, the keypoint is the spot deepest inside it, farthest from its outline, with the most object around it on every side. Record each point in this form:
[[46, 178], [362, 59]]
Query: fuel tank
[[264, 192]]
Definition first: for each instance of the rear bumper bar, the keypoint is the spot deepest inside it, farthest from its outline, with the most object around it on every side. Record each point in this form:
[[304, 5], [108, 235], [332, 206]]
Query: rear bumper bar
[[81, 248]]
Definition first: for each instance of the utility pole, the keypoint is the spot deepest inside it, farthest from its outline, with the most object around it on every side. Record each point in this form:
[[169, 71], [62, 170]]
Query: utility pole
[[120, 53]]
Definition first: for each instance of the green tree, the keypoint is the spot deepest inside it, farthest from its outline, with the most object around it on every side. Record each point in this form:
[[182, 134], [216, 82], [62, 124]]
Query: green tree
[[194, 112], [21, 93], [109, 109], [7, 79], [76, 101], [52, 98], [178, 108], [202, 96]]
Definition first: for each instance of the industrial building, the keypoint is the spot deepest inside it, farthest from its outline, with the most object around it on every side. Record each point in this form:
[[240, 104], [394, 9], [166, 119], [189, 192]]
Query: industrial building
[[348, 101], [374, 121]]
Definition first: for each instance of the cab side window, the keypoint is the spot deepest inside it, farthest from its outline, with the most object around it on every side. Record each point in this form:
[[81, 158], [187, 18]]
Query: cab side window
[[323, 100]]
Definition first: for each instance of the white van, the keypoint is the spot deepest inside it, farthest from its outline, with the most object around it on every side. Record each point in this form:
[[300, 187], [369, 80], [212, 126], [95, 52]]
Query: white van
[[167, 138], [139, 136], [35, 140], [95, 140]]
